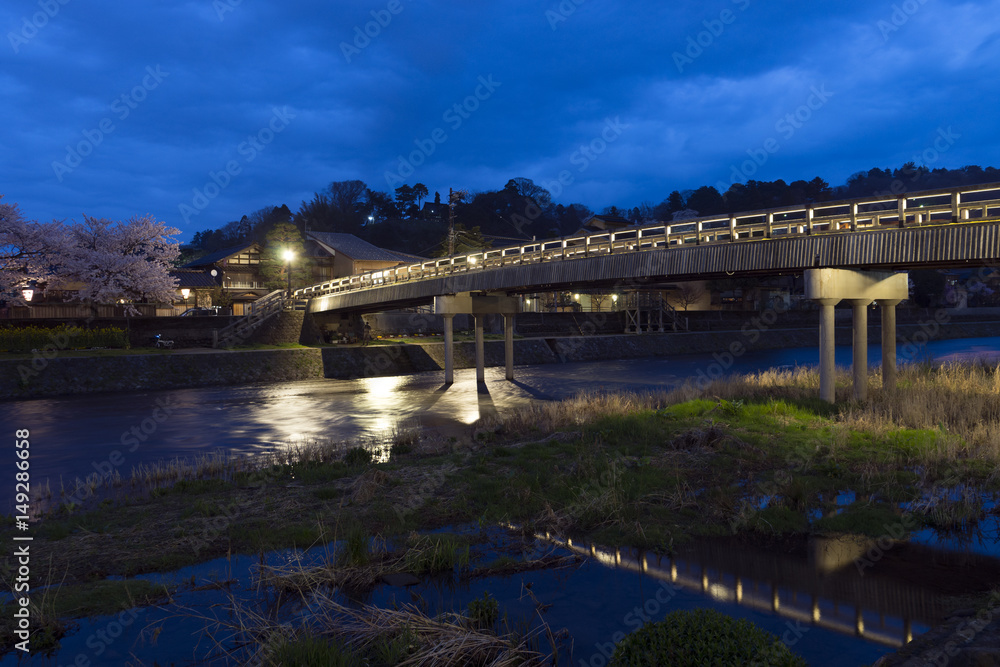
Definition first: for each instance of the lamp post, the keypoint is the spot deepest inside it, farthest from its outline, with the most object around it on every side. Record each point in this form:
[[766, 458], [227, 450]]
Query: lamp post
[[185, 292], [289, 256], [28, 293]]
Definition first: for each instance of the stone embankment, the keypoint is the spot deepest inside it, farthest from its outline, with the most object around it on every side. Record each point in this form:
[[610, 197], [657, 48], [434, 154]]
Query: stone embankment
[[51, 372]]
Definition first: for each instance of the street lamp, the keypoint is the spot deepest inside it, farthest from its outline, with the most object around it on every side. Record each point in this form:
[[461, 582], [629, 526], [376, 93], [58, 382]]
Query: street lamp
[[27, 293], [289, 256], [185, 292]]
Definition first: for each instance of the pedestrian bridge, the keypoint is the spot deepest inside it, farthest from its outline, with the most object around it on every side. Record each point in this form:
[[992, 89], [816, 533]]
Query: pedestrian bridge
[[936, 228], [848, 250]]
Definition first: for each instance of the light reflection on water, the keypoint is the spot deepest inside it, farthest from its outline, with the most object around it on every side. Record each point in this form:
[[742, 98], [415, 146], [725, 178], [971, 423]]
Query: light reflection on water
[[72, 436]]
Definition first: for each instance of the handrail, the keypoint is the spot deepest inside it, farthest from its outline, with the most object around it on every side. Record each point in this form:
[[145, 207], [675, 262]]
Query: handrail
[[260, 310], [846, 216]]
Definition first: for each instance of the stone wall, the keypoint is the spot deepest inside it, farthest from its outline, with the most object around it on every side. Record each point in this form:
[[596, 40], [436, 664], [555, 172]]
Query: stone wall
[[38, 376], [30, 378]]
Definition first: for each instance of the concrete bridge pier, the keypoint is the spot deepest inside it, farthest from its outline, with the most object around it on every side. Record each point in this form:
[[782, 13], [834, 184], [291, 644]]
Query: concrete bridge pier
[[477, 304], [480, 350], [860, 288], [449, 349], [859, 349], [888, 307]]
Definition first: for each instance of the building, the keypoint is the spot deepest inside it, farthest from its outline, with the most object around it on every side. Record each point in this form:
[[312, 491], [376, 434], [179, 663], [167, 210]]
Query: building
[[336, 255], [236, 270]]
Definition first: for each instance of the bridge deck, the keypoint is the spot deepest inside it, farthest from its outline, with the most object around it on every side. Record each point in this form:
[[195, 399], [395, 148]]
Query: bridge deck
[[938, 228]]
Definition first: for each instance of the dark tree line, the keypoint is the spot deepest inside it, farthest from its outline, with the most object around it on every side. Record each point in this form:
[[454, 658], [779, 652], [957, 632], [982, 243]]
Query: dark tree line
[[405, 221]]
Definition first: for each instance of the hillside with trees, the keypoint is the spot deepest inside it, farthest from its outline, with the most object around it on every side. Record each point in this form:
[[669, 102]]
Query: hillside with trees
[[405, 220]]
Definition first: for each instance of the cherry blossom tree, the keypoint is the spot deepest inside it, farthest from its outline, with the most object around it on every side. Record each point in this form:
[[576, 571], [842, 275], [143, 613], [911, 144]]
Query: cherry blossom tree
[[28, 250], [121, 261]]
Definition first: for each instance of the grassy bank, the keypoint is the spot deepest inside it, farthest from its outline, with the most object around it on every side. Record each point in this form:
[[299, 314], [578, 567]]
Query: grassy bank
[[757, 456]]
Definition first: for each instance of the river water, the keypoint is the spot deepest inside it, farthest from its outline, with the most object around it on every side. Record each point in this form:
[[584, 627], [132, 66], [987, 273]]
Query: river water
[[77, 435], [74, 436]]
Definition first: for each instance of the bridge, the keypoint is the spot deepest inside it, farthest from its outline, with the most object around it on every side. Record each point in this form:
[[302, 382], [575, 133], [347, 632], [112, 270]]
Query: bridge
[[860, 244], [822, 588]]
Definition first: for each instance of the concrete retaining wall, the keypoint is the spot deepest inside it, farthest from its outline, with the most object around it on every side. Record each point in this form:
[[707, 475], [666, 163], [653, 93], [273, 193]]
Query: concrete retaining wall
[[37, 377], [50, 377]]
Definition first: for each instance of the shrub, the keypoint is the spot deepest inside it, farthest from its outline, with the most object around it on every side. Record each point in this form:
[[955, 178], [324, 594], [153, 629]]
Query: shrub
[[357, 456], [483, 612], [702, 637], [62, 337]]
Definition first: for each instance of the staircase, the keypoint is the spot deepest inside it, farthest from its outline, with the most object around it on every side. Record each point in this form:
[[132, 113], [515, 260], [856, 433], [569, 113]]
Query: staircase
[[647, 312], [261, 311]]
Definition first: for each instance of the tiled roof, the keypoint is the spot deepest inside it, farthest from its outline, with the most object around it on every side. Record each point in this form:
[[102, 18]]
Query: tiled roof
[[193, 278], [359, 249], [217, 256]]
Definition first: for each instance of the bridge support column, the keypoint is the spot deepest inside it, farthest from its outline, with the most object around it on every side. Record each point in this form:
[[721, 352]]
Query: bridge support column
[[480, 351], [888, 307], [449, 349], [478, 305], [859, 349], [830, 286], [827, 348], [508, 344]]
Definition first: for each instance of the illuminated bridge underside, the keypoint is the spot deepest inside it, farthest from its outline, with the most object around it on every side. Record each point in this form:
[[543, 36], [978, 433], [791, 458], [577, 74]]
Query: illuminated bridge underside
[[949, 245]]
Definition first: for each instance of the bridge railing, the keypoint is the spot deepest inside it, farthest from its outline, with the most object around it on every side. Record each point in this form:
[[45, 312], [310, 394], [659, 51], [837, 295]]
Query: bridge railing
[[930, 207]]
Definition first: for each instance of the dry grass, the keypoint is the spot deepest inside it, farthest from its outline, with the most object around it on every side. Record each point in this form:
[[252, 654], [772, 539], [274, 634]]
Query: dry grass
[[962, 401]]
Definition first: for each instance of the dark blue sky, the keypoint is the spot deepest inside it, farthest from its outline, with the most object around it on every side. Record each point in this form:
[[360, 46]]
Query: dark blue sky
[[114, 109]]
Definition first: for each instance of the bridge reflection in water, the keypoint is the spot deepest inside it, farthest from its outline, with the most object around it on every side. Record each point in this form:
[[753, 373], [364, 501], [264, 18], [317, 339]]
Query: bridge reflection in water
[[897, 597]]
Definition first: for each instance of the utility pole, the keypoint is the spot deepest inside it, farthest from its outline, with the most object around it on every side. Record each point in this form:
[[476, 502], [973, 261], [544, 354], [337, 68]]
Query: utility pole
[[451, 222], [453, 196]]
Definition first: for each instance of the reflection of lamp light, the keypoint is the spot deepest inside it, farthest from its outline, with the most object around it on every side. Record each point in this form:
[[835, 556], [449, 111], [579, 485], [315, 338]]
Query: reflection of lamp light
[[28, 293]]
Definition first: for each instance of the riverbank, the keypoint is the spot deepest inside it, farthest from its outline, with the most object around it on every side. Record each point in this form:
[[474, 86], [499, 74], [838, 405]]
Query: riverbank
[[54, 373], [756, 458]]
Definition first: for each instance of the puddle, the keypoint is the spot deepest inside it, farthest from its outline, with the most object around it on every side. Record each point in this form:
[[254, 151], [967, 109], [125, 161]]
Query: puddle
[[810, 594]]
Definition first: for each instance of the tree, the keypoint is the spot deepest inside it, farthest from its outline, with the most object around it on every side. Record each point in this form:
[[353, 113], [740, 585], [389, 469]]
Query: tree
[[420, 191], [706, 200], [273, 265], [380, 206], [688, 294], [527, 188], [121, 261], [28, 250]]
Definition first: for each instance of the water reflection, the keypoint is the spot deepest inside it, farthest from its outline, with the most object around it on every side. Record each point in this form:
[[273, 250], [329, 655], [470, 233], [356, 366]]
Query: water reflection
[[74, 435], [888, 603]]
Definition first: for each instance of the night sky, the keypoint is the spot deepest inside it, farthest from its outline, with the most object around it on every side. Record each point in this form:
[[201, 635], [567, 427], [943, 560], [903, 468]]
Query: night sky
[[199, 112]]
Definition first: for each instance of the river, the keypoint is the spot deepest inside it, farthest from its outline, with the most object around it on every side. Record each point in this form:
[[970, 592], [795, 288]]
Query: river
[[74, 436]]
